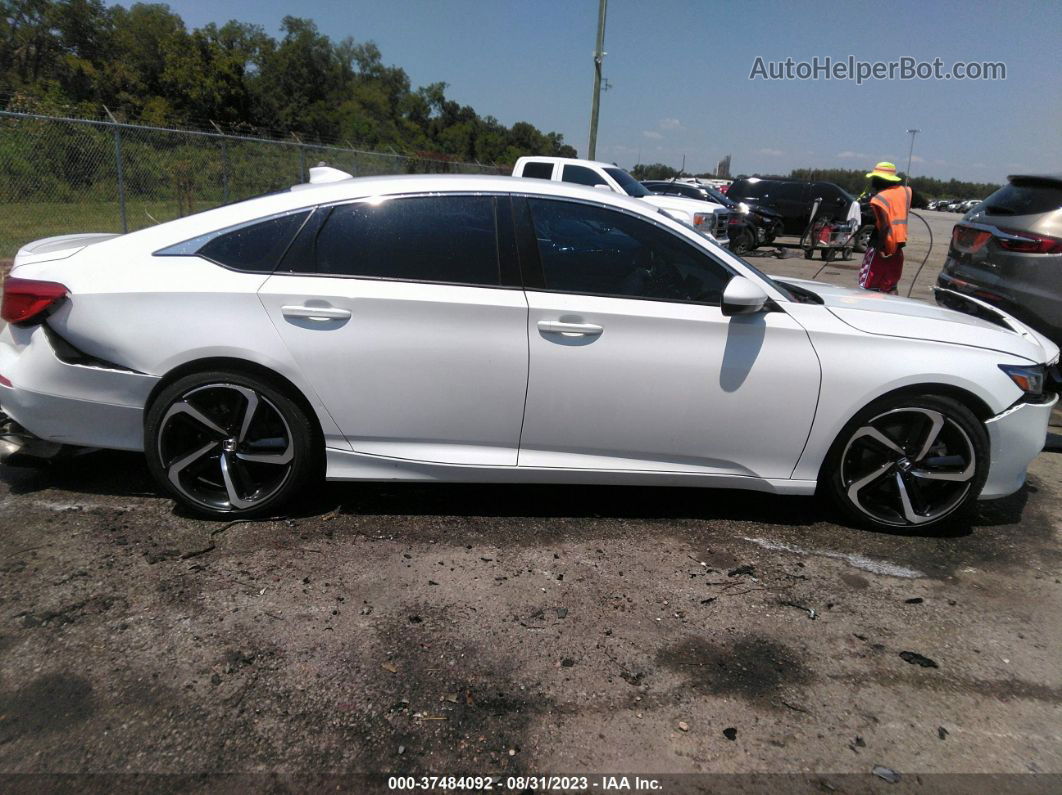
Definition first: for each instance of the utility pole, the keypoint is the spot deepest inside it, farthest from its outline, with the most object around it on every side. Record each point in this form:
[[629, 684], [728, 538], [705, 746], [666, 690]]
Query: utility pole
[[599, 57], [910, 153]]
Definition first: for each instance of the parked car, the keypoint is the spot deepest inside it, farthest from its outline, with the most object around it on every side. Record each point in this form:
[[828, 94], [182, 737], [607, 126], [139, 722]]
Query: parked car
[[792, 199], [488, 329], [751, 225], [707, 217], [1008, 251]]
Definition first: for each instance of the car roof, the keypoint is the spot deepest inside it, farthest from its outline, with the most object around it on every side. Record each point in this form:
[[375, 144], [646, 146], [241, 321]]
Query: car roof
[[310, 195], [566, 160], [1053, 179]]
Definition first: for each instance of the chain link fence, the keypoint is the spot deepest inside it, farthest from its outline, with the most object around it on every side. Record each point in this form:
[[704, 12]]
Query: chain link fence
[[63, 175]]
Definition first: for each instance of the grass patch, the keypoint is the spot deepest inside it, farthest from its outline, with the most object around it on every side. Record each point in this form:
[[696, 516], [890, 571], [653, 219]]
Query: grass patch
[[23, 222]]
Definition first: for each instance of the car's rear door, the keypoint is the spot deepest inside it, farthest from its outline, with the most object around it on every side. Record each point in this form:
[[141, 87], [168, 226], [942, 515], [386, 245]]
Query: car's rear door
[[407, 317], [633, 364]]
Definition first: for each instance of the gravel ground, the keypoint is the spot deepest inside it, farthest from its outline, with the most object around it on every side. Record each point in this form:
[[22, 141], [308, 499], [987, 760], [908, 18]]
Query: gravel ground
[[448, 630]]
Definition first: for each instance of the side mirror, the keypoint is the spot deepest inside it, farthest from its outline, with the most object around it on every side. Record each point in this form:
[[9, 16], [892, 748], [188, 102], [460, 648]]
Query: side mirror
[[743, 296]]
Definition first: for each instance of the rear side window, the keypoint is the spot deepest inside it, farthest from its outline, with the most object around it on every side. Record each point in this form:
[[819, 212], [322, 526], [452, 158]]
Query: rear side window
[[448, 239], [595, 251], [1024, 198], [256, 247], [538, 170], [581, 175]]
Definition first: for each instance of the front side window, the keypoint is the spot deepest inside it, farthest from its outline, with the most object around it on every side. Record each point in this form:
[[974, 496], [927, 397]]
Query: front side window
[[596, 251], [448, 239], [581, 175]]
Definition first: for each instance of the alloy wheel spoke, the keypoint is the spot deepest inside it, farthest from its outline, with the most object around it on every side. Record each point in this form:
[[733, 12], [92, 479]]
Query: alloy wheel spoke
[[248, 412], [909, 512], [229, 475], [268, 458], [935, 474], [857, 486], [936, 424], [177, 467], [187, 409], [870, 432]]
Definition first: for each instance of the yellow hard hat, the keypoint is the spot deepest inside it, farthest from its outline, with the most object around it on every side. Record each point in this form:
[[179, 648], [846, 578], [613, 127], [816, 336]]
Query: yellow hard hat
[[886, 171]]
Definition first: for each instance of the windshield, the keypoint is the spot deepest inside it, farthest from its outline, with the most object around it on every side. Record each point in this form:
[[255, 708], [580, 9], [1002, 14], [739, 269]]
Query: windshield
[[630, 185], [720, 198]]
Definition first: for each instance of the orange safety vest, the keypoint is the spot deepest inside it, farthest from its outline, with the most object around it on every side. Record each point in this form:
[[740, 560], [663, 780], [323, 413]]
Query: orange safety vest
[[894, 204]]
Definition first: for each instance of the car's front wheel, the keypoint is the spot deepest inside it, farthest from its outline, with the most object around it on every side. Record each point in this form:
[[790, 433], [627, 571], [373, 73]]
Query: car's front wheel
[[228, 444], [911, 461]]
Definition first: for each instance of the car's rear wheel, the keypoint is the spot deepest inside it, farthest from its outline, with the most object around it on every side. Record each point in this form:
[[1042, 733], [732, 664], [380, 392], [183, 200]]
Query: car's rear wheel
[[229, 444], [914, 462]]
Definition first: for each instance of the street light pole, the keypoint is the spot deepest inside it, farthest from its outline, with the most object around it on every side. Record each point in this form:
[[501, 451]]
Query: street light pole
[[599, 57], [910, 154]]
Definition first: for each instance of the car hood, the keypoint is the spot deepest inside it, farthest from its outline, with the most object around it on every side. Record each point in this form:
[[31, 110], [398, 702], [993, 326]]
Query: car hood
[[682, 204], [890, 315]]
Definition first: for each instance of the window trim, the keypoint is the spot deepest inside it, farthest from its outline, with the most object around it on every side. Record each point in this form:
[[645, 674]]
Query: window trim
[[209, 237], [508, 264], [527, 228]]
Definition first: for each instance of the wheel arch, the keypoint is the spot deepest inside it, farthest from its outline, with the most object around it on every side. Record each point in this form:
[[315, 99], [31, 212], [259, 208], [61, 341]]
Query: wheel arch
[[977, 406], [244, 367]]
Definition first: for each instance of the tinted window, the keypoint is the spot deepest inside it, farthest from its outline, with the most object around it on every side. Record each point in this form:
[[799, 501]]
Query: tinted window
[[749, 190], [630, 185], [587, 249], [581, 175], [675, 189], [430, 238], [538, 170], [254, 247], [789, 191], [1024, 198]]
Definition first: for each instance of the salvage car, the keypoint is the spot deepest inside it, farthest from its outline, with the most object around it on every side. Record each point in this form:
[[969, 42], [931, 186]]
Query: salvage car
[[751, 225], [1008, 251], [489, 329]]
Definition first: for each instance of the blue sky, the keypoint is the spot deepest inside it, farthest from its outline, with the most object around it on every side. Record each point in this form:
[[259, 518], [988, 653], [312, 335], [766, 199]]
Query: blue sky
[[679, 71]]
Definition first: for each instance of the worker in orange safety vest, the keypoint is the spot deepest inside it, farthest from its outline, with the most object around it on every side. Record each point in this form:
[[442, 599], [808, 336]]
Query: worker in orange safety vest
[[891, 205]]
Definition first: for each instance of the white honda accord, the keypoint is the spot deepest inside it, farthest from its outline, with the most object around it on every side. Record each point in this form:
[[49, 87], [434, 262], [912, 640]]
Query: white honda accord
[[493, 329]]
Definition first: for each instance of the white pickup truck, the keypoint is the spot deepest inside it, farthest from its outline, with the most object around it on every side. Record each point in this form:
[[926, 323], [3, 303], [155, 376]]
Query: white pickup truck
[[708, 218]]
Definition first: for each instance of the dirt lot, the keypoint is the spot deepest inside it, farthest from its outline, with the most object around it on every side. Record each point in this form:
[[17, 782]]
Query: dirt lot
[[453, 630]]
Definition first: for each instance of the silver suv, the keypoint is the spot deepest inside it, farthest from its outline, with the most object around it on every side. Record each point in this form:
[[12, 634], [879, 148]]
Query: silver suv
[[1008, 251]]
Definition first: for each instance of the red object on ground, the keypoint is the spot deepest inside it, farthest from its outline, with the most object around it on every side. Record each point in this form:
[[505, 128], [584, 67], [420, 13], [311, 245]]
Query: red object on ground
[[879, 272]]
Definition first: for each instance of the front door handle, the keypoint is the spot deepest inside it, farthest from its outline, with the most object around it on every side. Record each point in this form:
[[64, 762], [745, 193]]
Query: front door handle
[[576, 329], [320, 313]]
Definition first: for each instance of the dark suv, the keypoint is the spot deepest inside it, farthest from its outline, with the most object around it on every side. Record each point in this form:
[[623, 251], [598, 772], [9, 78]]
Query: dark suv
[[793, 200], [1007, 251]]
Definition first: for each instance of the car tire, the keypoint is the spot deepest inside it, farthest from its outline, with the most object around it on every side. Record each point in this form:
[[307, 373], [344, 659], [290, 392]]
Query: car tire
[[915, 463], [743, 242], [230, 445]]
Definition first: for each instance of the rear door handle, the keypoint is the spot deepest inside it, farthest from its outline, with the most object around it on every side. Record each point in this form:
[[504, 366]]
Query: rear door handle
[[321, 313], [580, 329]]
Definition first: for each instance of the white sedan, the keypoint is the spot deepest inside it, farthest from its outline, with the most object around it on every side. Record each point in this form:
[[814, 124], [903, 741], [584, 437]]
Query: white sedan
[[492, 329]]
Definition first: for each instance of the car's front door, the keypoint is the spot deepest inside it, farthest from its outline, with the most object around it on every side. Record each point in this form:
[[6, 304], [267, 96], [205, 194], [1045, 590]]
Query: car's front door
[[635, 367], [408, 320]]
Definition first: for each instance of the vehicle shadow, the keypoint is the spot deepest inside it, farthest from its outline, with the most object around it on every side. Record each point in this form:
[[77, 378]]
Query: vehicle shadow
[[124, 475]]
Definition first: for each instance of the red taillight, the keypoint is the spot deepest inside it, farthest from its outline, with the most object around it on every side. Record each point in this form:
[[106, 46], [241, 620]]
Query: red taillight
[[967, 239], [1029, 242], [26, 300]]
